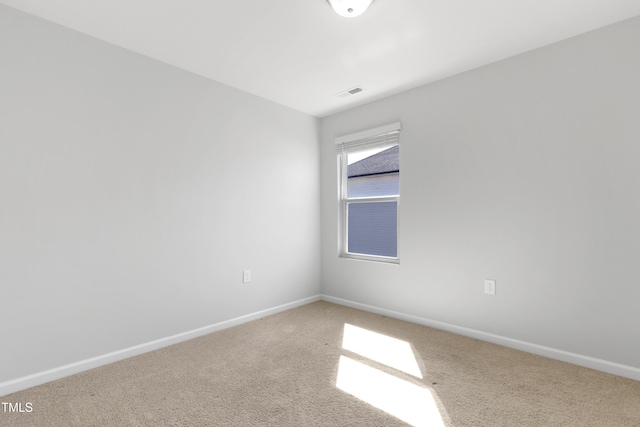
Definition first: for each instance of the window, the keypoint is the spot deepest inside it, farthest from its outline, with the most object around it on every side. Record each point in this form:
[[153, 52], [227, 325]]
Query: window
[[369, 164]]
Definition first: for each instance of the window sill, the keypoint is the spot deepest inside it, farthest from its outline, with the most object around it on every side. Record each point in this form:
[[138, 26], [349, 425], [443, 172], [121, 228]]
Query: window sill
[[371, 258]]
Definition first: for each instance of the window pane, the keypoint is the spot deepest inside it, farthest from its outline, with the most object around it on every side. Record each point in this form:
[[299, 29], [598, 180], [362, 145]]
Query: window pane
[[373, 229], [377, 174], [376, 185]]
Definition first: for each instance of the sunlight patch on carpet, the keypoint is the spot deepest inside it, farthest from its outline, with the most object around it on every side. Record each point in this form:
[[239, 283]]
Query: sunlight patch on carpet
[[404, 400], [383, 349]]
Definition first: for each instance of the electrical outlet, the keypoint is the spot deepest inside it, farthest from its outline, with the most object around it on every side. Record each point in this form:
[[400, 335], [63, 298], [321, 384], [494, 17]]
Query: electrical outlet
[[489, 286], [246, 276]]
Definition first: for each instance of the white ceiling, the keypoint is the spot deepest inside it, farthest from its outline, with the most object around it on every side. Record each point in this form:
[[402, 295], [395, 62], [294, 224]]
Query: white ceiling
[[300, 53]]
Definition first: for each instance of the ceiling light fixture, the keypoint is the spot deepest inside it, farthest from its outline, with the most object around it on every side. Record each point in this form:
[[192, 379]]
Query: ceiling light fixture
[[350, 8]]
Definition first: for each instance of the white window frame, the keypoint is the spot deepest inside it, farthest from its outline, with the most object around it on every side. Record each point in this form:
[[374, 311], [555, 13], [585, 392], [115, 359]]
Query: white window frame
[[380, 137]]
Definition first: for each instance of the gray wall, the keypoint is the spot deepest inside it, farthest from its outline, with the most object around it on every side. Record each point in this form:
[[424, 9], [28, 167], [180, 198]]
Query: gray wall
[[133, 194], [526, 171]]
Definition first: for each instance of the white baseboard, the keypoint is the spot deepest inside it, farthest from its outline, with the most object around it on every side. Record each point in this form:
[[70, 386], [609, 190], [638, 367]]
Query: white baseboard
[[552, 353], [33, 380]]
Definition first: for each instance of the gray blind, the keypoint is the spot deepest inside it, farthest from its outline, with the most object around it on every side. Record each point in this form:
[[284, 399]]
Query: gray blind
[[373, 228]]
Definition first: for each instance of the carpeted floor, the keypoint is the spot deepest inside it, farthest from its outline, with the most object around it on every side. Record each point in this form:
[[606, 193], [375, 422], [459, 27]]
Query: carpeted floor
[[291, 369]]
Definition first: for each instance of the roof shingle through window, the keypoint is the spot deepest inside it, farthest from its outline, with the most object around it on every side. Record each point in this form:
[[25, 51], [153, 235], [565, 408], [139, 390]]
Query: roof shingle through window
[[386, 161]]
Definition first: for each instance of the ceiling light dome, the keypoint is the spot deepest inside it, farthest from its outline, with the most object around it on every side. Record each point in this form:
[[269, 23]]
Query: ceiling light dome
[[350, 8]]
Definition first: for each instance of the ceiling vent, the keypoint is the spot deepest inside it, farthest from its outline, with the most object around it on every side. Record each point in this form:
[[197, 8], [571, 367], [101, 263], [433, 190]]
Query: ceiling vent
[[349, 92]]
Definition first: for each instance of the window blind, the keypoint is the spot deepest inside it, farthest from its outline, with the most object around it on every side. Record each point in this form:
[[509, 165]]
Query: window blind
[[379, 137]]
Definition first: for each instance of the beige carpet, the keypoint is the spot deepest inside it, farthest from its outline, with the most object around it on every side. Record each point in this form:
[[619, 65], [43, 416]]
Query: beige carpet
[[282, 371]]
